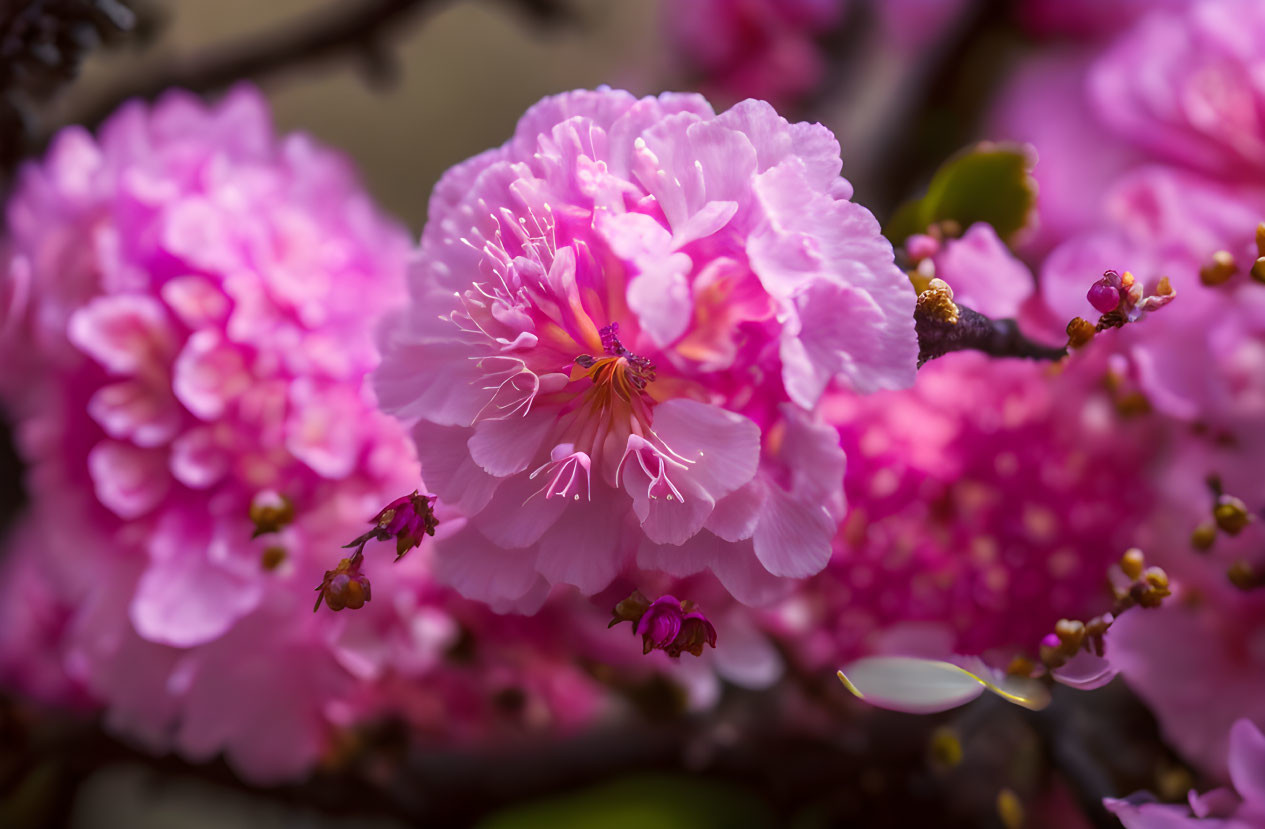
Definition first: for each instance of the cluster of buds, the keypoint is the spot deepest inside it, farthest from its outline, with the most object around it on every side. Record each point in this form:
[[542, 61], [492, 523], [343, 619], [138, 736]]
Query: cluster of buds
[[1135, 585], [271, 512], [1221, 268], [666, 624], [921, 249], [406, 519], [1119, 299], [1142, 586], [1071, 636]]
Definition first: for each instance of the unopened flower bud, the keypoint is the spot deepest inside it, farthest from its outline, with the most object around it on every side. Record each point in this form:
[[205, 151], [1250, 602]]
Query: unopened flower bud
[[270, 512], [1070, 633], [696, 631], [1104, 296], [1219, 270], [407, 519], [1231, 515], [630, 609], [1258, 270], [272, 558], [1079, 332], [1051, 651], [344, 586], [921, 246], [1244, 576], [660, 624], [666, 624], [1204, 536], [1133, 563], [936, 303]]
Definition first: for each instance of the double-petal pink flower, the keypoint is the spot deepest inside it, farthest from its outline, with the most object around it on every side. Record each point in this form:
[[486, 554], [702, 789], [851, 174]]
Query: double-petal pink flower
[[621, 323]]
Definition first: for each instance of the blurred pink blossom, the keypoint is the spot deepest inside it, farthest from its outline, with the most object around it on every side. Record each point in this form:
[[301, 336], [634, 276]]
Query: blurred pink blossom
[[764, 49], [198, 299], [1242, 807], [621, 321], [1185, 85], [985, 503]]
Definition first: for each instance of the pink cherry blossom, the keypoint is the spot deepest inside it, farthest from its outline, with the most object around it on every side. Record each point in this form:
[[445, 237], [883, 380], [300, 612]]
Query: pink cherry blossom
[[1185, 85], [621, 322], [1044, 104], [986, 503], [198, 297], [984, 274]]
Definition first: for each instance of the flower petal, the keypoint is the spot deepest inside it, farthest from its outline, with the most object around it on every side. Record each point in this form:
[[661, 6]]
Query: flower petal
[[924, 686]]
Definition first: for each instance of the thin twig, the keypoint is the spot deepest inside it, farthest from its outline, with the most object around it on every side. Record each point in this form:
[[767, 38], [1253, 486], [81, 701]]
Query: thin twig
[[341, 30]]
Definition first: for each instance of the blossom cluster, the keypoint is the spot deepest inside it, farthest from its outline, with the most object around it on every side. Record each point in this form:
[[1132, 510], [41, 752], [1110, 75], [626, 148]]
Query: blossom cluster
[[649, 359]]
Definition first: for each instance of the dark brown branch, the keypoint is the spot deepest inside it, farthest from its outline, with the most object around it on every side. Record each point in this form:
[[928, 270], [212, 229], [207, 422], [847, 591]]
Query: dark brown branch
[[359, 30], [944, 326]]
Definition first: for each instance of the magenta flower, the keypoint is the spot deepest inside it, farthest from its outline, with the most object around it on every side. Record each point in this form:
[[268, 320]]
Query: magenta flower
[[621, 319], [986, 503], [1185, 85], [660, 624], [198, 298], [669, 625]]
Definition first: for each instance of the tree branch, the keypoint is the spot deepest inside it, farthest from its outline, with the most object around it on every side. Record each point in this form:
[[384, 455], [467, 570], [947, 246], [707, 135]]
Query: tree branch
[[340, 30], [944, 326]]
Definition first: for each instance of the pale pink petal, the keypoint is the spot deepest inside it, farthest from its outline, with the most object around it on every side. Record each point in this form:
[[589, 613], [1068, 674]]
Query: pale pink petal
[[323, 429], [744, 655], [506, 447], [136, 411], [698, 553], [126, 334], [518, 514], [584, 547], [197, 459], [185, 600], [451, 394], [448, 468], [736, 515], [722, 448], [129, 480], [208, 374], [196, 301], [984, 274], [745, 576], [480, 569], [1085, 671], [793, 536], [775, 139], [1247, 762]]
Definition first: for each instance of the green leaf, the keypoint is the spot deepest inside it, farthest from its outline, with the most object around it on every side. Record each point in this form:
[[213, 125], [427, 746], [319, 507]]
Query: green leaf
[[987, 183], [664, 802]]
